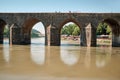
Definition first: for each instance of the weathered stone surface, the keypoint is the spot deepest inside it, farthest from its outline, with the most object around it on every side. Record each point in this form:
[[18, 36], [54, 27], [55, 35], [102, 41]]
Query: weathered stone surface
[[25, 22], [88, 35]]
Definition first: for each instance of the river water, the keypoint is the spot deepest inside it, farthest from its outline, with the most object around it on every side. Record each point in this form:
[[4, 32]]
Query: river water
[[66, 62]]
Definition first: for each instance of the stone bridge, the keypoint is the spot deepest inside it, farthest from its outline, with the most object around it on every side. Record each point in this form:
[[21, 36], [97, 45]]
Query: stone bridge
[[53, 22]]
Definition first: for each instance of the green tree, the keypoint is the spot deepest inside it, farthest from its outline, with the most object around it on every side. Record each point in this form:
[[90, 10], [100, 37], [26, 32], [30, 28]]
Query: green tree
[[103, 28], [109, 31], [6, 31], [71, 29], [76, 31]]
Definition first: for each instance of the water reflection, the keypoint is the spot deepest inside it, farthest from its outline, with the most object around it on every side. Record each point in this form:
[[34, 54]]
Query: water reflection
[[38, 41], [69, 55], [6, 51], [103, 56], [38, 54], [64, 61], [88, 57]]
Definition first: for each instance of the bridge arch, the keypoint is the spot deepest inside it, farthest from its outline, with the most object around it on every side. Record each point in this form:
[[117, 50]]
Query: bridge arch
[[114, 25], [115, 28], [27, 27], [68, 21], [2, 26], [28, 24]]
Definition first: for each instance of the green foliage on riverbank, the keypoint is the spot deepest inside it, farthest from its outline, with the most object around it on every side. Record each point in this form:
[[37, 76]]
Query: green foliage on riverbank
[[6, 32], [36, 34], [103, 29], [71, 29]]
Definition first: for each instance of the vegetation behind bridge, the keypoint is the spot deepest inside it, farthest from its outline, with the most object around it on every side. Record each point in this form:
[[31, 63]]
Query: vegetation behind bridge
[[73, 29]]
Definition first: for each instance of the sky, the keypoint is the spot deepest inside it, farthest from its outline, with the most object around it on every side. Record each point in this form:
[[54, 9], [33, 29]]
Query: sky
[[99, 6], [85, 6], [39, 27]]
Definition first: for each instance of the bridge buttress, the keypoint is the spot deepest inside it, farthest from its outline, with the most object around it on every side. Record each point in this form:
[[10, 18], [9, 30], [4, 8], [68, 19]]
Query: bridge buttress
[[93, 37], [83, 37], [16, 35], [54, 36]]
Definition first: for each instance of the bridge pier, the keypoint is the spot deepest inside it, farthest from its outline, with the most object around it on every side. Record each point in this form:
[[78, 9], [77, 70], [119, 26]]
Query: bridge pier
[[20, 38], [83, 37], [48, 35], [93, 37], [1, 37], [2, 25], [55, 37], [88, 36], [26, 39], [16, 35]]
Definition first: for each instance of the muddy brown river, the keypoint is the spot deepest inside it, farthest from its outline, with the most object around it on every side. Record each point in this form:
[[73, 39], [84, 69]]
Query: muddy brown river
[[66, 62]]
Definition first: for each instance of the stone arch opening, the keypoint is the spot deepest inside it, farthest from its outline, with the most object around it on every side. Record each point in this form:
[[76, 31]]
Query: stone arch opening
[[3, 31], [38, 34], [72, 36], [104, 34], [27, 29], [114, 28]]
